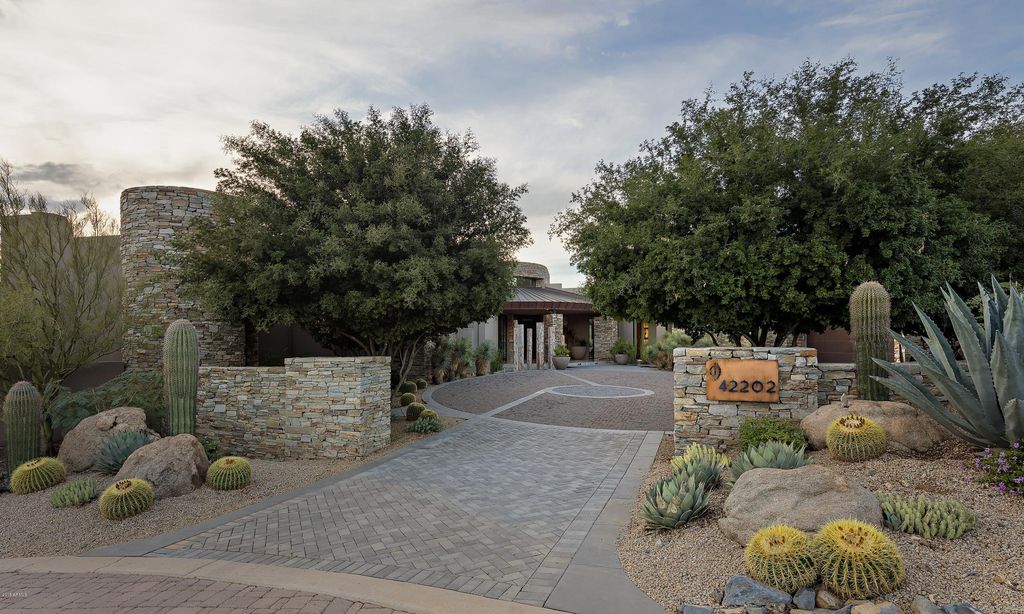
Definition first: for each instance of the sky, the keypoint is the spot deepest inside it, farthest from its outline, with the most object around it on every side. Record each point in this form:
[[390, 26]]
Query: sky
[[102, 95]]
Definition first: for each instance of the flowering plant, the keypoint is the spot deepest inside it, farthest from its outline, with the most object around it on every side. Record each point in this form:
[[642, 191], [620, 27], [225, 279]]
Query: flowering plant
[[1003, 469]]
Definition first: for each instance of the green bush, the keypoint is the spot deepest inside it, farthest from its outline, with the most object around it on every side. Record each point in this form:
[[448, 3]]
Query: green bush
[[621, 346], [117, 448], [562, 350], [211, 446], [425, 424], [755, 431], [659, 353], [134, 388]]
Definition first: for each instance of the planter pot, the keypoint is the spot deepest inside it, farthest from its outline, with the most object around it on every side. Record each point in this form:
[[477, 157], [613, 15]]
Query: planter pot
[[560, 362], [579, 352], [621, 359]]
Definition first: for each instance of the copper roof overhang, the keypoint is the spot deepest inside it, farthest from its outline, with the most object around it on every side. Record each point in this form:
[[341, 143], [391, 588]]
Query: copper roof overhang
[[542, 307]]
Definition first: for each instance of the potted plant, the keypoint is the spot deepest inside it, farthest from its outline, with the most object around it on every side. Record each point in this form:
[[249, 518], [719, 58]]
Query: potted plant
[[482, 357], [561, 357], [622, 351]]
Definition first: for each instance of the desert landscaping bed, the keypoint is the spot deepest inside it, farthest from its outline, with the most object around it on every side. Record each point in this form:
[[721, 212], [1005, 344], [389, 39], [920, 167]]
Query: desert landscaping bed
[[32, 527], [691, 564]]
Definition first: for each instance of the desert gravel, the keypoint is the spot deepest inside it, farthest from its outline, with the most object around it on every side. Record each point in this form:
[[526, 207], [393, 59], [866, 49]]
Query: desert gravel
[[983, 567], [32, 527]]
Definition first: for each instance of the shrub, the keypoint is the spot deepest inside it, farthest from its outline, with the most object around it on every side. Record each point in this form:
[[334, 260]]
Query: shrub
[[37, 474], [781, 557], [133, 388], [770, 454], [229, 473], [126, 498], [562, 350], [925, 516], [117, 448], [621, 346], [856, 561], [421, 384], [855, 438], [414, 410], [406, 399], [74, 494], [425, 424], [405, 387], [211, 446], [673, 501], [659, 353], [755, 431], [1002, 469], [497, 361]]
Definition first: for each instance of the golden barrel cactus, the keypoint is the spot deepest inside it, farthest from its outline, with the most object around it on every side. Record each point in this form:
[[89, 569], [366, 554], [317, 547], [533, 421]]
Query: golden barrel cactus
[[781, 557], [126, 498], [856, 561], [37, 474], [855, 438]]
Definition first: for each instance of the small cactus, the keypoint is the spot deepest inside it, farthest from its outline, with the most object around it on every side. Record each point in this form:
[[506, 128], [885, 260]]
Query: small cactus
[[424, 425], [869, 326], [925, 516], [74, 494], [407, 399], [780, 556], [855, 438], [428, 413], [414, 411], [126, 498], [23, 415], [407, 387], [37, 474], [421, 384], [229, 473], [181, 376], [856, 561]]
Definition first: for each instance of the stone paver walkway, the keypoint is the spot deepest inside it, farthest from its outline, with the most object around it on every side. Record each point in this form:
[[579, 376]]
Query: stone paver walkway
[[138, 594], [504, 509]]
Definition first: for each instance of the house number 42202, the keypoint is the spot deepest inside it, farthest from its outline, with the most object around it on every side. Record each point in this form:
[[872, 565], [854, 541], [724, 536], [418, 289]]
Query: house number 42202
[[743, 380]]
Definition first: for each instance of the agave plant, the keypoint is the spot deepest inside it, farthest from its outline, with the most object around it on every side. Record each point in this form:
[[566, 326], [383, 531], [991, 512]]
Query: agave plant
[[770, 454], [989, 396], [704, 471], [674, 501]]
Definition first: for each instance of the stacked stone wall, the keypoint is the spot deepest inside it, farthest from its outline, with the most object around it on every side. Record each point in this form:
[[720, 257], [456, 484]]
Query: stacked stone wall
[[150, 217], [697, 418], [318, 407], [606, 332], [839, 378]]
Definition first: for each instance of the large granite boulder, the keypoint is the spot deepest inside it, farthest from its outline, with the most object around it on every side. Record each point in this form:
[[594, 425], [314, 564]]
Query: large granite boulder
[[805, 498], [174, 465], [909, 428], [82, 444]]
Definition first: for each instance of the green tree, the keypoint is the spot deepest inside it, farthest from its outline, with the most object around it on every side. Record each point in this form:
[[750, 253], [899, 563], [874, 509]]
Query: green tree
[[374, 236], [762, 212]]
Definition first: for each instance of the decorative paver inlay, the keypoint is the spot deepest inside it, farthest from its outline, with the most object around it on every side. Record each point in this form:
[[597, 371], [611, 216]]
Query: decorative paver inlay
[[600, 392], [496, 508]]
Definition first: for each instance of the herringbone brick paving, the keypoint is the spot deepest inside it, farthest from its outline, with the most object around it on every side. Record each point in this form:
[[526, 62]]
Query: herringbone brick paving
[[497, 509]]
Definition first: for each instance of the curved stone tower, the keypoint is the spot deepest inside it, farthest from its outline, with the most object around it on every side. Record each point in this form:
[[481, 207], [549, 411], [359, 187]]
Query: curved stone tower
[[150, 217]]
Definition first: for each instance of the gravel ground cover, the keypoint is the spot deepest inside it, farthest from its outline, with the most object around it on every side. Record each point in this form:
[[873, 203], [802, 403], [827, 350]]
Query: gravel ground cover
[[479, 395], [646, 413], [32, 527], [983, 567]]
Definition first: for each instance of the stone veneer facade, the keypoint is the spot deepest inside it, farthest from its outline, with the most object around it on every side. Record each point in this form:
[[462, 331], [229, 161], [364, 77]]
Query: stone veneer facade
[[606, 332], [150, 217], [321, 407], [715, 422]]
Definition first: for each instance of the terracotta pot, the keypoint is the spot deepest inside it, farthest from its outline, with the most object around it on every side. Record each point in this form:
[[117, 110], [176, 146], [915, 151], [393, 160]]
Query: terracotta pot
[[560, 362], [621, 359], [579, 352]]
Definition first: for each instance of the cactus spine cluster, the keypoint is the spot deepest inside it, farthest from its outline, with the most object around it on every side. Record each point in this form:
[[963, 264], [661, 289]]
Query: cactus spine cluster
[[181, 376], [869, 326], [74, 494], [925, 516], [856, 561], [126, 498], [855, 438], [229, 473], [37, 474], [780, 557], [23, 415]]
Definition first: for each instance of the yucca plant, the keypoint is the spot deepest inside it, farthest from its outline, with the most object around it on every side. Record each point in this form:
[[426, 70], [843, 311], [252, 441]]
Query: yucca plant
[[989, 396]]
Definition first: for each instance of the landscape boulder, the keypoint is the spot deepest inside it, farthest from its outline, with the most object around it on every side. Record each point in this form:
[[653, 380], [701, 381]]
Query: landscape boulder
[[82, 444], [909, 428], [805, 498], [743, 590], [173, 465]]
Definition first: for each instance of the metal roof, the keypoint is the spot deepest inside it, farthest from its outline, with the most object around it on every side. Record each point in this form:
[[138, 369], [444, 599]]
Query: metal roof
[[547, 300]]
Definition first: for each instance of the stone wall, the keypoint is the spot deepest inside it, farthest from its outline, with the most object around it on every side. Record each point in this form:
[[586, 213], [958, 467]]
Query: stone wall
[[321, 407], [150, 218], [606, 332], [839, 378], [696, 418]]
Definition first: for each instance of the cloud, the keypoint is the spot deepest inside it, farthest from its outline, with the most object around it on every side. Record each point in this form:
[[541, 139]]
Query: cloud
[[78, 176]]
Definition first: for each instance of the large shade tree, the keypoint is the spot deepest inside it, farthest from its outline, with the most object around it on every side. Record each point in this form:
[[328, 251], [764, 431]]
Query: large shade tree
[[759, 213], [373, 235]]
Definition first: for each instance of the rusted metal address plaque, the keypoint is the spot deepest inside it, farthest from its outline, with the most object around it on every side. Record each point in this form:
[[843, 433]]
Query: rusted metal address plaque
[[743, 380]]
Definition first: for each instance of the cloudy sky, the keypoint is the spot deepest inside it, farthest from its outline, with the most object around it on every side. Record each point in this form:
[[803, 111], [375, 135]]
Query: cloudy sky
[[101, 95]]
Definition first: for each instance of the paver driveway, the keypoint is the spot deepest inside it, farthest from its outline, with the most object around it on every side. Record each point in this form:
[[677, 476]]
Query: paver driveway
[[492, 507]]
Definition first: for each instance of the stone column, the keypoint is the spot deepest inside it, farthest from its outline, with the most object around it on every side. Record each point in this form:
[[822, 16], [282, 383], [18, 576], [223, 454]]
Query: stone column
[[529, 348], [541, 349], [606, 331], [517, 348], [150, 218]]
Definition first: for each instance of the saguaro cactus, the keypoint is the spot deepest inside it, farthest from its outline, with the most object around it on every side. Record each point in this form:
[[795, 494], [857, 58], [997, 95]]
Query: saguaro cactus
[[869, 325], [23, 415], [181, 376]]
